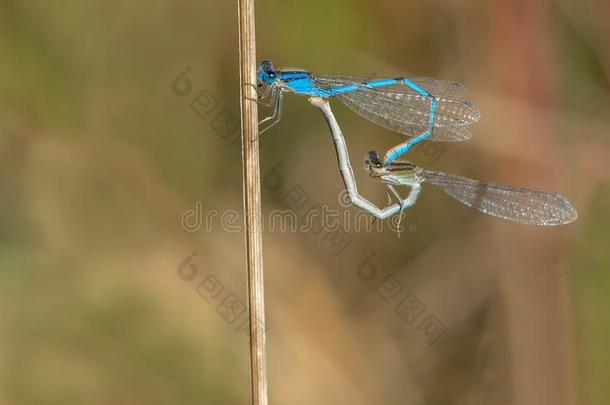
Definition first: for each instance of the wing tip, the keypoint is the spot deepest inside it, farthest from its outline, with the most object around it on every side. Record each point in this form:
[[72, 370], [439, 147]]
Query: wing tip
[[566, 213]]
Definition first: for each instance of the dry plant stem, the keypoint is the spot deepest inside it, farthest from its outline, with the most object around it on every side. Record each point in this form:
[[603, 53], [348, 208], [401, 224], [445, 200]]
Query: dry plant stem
[[252, 202], [345, 168]]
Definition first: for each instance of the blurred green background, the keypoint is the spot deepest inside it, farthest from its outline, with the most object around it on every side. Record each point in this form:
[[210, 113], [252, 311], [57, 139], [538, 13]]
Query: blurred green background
[[106, 298]]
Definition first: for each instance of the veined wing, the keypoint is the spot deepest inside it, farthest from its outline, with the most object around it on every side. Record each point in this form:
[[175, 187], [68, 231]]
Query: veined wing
[[401, 109], [514, 204]]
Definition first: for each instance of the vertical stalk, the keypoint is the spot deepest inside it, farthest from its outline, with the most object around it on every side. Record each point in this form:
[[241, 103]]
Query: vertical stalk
[[252, 201]]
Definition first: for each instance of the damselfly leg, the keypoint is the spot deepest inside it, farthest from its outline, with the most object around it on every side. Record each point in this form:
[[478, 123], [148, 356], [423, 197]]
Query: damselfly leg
[[277, 113], [404, 203], [270, 92]]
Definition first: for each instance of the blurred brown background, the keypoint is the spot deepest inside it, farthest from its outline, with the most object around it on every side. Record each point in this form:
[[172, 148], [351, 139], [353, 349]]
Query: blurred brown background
[[106, 298]]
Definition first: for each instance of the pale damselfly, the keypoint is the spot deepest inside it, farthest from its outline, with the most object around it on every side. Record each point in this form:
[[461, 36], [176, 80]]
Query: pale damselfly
[[515, 204]]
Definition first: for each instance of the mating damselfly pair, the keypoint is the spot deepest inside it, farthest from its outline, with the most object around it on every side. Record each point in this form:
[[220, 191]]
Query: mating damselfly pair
[[422, 109]]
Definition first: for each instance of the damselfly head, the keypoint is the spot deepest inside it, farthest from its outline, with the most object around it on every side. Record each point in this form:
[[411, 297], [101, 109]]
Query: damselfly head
[[373, 164], [373, 159], [266, 73]]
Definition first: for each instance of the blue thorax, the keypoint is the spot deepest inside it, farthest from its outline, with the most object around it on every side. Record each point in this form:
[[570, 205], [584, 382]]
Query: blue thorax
[[300, 82]]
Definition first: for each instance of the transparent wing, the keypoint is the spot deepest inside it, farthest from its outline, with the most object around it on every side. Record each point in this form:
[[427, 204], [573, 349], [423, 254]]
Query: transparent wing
[[401, 109], [515, 204]]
